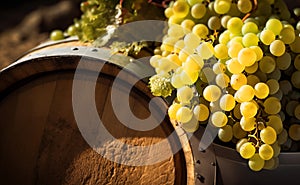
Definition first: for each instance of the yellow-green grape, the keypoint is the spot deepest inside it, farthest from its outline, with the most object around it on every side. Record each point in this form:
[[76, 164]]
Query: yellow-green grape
[[277, 48], [191, 126], [285, 86], [222, 80], [198, 10], [174, 20], [261, 90], [193, 2], [185, 52], [273, 86], [224, 20], [276, 123], [245, 93], [282, 137], [238, 132], [174, 58], [234, 66], [184, 114], [207, 75], [276, 74], [287, 35], [248, 124], [271, 164], [297, 62], [237, 111], [258, 51], [266, 152], [234, 25], [193, 63], [185, 94], [227, 102], [189, 77], [212, 93], [295, 79], [247, 56], [251, 69], [252, 80], [187, 25], [201, 30], [256, 163], [234, 11], [181, 8], [267, 64], [178, 46], [276, 148], [267, 37], [248, 109], [154, 60], [168, 12], [201, 111], [290, 107], [244, 6], [272, 105], [173, 110], [219, 68], [234, 49], [176, 81], [237, 80], [221, 51], [219, 119], [250, 39], [214, 23], [168, 44], [294, 132], [191, 40], [166, 65], [224, 37], [295, 46], [225, 133], [247, 150], [249, 27], [57, 35], [175, 31], [240, 143], [297, 112], [262, 76], [268, 135], [274, 25], [206, 50], [222, 6]]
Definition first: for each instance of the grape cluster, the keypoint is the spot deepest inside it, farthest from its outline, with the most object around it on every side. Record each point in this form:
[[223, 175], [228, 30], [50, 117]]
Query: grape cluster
[[235, 64]]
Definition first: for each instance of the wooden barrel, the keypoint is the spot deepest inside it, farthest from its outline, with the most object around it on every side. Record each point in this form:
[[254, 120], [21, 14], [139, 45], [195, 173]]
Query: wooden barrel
[[40, 142]]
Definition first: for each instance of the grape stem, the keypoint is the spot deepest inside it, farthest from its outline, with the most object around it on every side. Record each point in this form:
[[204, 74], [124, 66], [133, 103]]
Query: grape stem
[[163, 4], [254, 2]]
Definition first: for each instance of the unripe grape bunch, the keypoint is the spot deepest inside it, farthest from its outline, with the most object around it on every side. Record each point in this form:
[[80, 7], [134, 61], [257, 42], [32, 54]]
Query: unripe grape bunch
[[234, 64]]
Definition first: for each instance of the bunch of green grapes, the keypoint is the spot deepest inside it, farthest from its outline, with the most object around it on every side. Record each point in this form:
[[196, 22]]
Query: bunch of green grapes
[[235, 65]]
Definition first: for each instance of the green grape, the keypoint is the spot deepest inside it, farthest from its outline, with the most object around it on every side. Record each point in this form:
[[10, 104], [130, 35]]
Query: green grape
[[258, 51], [282, 137], [225, 133], [267, 37], [296, 11], [256, 163], [174, 20], [219, 68], [295, 46], [200, 30], [184, 114], [201, 111], [234, 11], [244, 6], [173, 110], [211, 93], [240, 143], [273, 86], [198, 10], [221, 51], [247, 150], [285, 86], [166, 65], [237, 80], [237, 131], [262, 76], [179, 45], [185, 53], [219, 119], [247, 124], [250, 39], [234, 25], [227, 102], [57, 35], [206, 50], [187, 25], [249, 27], [193, 63], [234, 66], [247, 56], [261, 90], [181, 8], [267, 64], [266, 152], [224, 37], [297, 62], [191, 40], [176, 81], [191, 126], [175, 31], [294, 132], [251, 69], [222, 80], [276, 148], [222, 6], [214, 23], [295, 79], [248, 109], [252, 80], [283, 62], [245, 93], [271, 164], [290, 107], [72, 31], [224, 20], [175, 59], [154, 60], [189, 77], [237, 111], [272, 105], [297, 112], [234, 49], [287, 35], [268, 135], [277, 48], [274, 25], [168, 12], [185, 94], [168, 43], [276, 123], [276, 74]]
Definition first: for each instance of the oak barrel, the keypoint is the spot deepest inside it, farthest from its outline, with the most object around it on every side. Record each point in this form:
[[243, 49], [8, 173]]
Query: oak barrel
[[40, 140]]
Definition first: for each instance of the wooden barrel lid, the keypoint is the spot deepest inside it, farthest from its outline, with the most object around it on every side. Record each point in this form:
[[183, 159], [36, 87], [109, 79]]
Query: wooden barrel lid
[[40, 141]]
